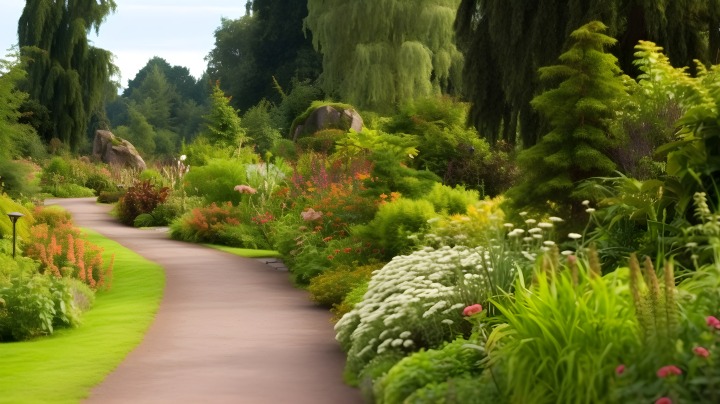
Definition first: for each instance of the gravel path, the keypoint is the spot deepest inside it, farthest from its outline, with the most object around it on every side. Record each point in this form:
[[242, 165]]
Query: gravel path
[[229, 329]]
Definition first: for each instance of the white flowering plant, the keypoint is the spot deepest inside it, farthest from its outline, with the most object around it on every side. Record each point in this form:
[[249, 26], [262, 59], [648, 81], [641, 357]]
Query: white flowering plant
[[416, 301]]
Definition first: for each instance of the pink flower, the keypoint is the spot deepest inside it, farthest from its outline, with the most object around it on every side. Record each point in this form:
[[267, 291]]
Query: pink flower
[[663, 400], [311, 215], [244, 189], [666, 371], [713, 322], [700, 351], [620, 369], [470, 310]]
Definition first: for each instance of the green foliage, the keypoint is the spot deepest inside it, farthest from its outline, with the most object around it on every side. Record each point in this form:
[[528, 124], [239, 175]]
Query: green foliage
[[144, 220], [501, 83], [139, 132], [201, 152], [223, 123], [425, 367], [36, 306], [55, 34], [11, 100], [309, 129], [248, 70], [110, 197], [330, 288], [216, 181], [205, 225], [14, 179], [51, 215], [259, 126], [153, 99], [352, 298], [71, 191], [465, 389], [22, 226], [451, 200], [300, 99], [578, 111], [562, 341], [408, 51], [390, 176], [245, 236], [395, 221]]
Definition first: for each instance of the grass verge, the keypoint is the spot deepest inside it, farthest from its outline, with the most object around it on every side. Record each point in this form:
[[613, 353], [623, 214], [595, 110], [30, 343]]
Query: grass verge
[[246, 252], [64, 367]]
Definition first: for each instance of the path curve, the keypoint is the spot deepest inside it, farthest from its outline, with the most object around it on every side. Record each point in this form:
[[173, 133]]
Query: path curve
[[229, 329]]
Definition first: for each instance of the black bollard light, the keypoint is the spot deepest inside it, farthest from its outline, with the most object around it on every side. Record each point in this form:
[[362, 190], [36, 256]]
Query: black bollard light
[[14, 216]]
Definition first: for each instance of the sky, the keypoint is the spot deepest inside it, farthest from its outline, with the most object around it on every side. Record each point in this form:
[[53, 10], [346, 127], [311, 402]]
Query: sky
[[180, 31]]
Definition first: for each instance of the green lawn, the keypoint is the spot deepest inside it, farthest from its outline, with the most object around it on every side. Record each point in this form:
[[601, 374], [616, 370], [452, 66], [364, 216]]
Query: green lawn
[[246, 252], [63, 367]]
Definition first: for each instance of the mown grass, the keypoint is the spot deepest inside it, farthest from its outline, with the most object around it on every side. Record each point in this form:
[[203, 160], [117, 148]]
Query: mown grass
[[62, 368], [246, 252]]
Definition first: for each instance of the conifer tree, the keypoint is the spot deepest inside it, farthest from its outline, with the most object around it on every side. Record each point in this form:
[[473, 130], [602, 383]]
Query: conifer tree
[[68, 75], [578, 112], [377, 53], [505, 42], [155, 98], [223, 122]]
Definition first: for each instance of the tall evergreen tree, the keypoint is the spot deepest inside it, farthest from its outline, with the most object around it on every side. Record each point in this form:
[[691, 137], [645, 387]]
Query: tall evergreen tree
[[68, 75], [579, 111], [155, 99], [505, 42], [377, 53], [179, 78], [223, 122]]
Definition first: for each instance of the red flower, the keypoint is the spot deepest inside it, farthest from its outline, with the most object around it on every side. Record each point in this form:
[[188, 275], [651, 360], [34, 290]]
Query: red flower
[[326, 239], [357, 250], [355, 240], [666, 371], [375, 251], [367, 244], [713, 322], [700, 351], [620, 369], [330, 257], [342, 233], [470, 310], [347, 250], [337, 251], [664, 400]]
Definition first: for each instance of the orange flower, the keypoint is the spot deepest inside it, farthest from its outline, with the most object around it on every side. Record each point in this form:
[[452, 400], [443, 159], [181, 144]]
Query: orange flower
[[347, 250], [326, 239], [383, 196], [330, 257]]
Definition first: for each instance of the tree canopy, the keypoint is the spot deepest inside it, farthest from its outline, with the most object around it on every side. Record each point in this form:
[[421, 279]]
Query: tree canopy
[[377, 53], [67, 76], [505, 43]]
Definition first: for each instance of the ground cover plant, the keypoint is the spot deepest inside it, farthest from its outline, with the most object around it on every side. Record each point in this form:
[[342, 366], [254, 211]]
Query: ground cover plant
[[63, 368]]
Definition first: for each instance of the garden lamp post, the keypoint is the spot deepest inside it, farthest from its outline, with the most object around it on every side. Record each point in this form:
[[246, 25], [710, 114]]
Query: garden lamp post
[[14, 216]]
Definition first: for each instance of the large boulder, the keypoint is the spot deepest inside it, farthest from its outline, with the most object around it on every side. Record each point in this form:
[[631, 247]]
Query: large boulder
[[328, 117], [116, 151]]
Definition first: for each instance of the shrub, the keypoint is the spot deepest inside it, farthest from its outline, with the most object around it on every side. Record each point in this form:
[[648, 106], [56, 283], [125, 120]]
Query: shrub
[[110, 197], [51, 215], [244, 236], [285, 149], [205, 225], [35, 306], [395, 221], [432, 366], [466, 389], [142, 198], [144, 220], [216, 182], [22, 226], [166, 212], [389, 176], [330, 288], [71, 191], [351, 299], [451, 200], [14, 179], [100, 182], [414, 301]]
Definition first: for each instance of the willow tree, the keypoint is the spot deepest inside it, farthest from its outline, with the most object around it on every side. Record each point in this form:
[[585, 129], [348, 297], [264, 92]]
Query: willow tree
[[505, 42], [579, 111], [68, 75], [377, 53]]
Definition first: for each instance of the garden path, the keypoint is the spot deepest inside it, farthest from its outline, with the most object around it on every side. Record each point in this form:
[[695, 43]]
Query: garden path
[[229, 329]]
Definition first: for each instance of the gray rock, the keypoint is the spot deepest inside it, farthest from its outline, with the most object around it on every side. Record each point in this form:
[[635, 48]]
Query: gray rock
[[327, 117], [116, 151]]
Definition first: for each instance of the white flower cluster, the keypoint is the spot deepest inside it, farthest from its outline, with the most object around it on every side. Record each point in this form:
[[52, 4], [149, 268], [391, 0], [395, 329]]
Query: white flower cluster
[[413, 300]]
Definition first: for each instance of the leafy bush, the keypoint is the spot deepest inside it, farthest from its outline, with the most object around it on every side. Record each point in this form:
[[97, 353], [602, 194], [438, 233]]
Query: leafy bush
[[110, 197], [144, 220], [216, 181], [330, 288], [71, 191], [395, 221], [451, 200], [51, 215], [432, 366], [14, 179], [245, 236], [201, 152], [100, 182], [205, 225], [22, 226], [259, 126], [142, 198], [285, 149], [351, 299], [465, 389], [389, 176], [35, 306], [414, 301]]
